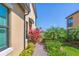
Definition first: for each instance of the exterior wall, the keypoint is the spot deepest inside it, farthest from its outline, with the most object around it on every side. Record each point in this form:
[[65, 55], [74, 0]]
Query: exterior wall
[[16, 27], [30, 16], [75, 20], [16, 17]]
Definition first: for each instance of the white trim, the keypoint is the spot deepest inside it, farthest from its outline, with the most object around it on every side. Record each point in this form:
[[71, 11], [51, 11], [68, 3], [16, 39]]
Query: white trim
[[6, 51], [26, 40]]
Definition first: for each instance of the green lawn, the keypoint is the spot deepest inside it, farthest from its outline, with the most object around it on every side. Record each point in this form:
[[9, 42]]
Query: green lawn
[[71, 51]]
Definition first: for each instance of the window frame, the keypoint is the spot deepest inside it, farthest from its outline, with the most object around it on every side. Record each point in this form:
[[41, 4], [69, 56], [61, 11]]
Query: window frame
[[6, 27]]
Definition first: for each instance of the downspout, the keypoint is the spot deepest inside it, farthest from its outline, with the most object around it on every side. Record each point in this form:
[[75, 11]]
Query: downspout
[[25, 29]]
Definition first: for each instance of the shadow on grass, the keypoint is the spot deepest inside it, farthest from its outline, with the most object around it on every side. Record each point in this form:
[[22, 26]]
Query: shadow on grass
[[70, 44]]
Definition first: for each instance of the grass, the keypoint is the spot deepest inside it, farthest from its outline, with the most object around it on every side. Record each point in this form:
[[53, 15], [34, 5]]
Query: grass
[[71, 51], [28, 51]]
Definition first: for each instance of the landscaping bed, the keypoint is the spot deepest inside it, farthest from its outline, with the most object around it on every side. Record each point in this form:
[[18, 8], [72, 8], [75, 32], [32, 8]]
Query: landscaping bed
[[29, 50]]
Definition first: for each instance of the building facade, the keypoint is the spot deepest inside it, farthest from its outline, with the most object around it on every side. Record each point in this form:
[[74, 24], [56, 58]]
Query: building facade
[[15, 22], [73, 20]]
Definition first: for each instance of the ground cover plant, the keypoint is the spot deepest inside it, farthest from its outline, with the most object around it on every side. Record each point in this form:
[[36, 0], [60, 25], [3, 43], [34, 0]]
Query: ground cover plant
[[29, 50]]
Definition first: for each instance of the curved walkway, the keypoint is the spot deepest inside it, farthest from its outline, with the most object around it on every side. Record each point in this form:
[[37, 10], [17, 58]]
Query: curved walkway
[[39, 50]]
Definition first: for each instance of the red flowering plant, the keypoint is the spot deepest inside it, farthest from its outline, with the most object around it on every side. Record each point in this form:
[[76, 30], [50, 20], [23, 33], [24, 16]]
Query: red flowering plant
[[35, 35]]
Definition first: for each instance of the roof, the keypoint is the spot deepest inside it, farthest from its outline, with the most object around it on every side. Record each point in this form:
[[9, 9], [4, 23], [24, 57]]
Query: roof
[[34, 8], [72, 14], [25, 7]]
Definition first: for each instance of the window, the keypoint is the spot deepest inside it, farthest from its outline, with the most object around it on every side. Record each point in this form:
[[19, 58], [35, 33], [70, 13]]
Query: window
[[30, 26], [3, 27], [70, 22], [26, 29], [30, 23]]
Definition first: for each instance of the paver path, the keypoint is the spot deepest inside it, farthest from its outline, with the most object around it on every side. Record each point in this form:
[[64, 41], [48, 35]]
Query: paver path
[[39, 50]]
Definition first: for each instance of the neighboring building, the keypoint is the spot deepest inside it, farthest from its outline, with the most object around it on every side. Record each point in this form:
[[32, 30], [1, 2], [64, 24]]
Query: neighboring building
[[73, 20], [15, 20]]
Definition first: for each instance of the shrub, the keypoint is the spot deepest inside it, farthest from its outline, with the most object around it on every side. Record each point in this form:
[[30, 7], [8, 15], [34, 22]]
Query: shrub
[[29, 50], [62, 35], [58, 34], [53, 48], [35, 35], [73, 34], [53, 39]]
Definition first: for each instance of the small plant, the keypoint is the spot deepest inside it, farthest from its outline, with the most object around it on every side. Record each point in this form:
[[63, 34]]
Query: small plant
[[29, 50]]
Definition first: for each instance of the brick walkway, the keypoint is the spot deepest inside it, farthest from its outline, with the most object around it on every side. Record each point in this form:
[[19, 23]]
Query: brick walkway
[[39, 50]]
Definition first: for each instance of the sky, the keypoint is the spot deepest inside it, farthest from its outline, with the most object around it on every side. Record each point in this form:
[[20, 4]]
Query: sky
[[54, 14]]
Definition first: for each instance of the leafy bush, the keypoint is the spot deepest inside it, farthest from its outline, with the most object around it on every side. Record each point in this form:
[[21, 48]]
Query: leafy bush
[[34, 35], [58, 34], [53, 48], [53, 39], [73, 34], [29, 50]]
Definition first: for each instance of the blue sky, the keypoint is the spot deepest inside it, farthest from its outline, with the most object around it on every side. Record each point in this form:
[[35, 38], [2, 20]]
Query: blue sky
[[54, 14]]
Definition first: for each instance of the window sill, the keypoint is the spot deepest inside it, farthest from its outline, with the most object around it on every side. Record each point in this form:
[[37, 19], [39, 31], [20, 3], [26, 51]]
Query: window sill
[[6, 51]]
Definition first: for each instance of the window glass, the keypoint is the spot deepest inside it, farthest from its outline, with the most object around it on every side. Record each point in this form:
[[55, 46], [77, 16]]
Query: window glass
[[70, 22], [3, 27], [3, 36], [3, 15], [3, 11], [3, 21]]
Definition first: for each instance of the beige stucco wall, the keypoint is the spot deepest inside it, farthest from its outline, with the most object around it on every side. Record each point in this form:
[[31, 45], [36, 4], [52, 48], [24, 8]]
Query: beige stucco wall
[[16, 28], [16, 38], [32, 16]]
